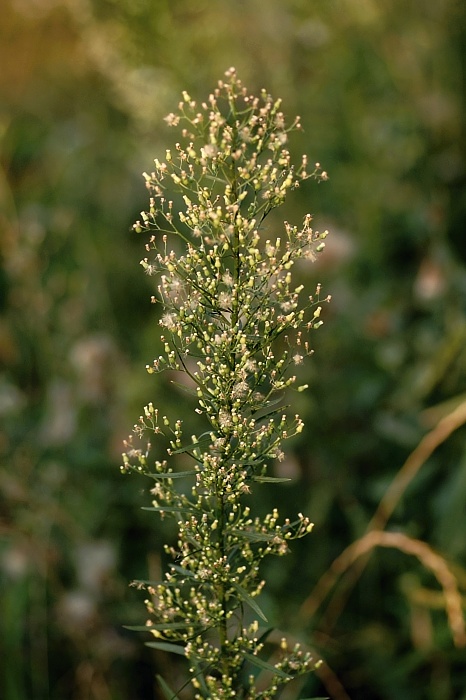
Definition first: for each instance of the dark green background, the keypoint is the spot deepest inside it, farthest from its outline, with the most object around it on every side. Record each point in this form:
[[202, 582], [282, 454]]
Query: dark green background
[[84, 87]]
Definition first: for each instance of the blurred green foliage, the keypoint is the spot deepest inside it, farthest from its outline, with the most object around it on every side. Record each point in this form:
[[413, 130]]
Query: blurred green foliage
[[84, 87]]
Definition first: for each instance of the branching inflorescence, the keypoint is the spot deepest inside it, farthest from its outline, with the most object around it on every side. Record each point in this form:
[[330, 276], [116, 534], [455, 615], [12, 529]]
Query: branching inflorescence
[[235, 325]]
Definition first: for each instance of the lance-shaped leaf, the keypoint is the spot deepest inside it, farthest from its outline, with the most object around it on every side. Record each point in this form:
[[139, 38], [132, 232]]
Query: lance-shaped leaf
[[253, 536], [193, 445], [167, 691], [166, 646], [145, 582], [260, 663], [271, 479], [161, 627], [170, 475], [249, 600], [171, 509], [268, 410], [181, 570], [184, 388]]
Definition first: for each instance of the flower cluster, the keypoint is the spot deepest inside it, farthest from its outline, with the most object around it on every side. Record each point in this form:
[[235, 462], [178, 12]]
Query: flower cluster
[[236, 325]]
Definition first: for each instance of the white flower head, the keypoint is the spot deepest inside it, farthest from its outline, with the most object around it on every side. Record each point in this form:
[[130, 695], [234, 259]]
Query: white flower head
[[227, 278], [169, 321]]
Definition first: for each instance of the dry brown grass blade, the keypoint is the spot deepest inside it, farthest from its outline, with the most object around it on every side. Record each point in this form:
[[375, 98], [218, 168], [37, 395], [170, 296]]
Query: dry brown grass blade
[[430, 559], [331, 683], [444, 428], [416, 459]]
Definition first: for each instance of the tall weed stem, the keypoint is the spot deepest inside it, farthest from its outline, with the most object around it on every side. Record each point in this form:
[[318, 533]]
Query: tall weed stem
[[234, 324]]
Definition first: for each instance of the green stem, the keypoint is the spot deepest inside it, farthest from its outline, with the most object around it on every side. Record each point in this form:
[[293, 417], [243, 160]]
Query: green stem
[[223, 630]]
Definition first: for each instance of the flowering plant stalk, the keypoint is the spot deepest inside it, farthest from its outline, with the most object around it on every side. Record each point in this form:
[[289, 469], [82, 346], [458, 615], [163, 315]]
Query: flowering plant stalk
[[234, 325]]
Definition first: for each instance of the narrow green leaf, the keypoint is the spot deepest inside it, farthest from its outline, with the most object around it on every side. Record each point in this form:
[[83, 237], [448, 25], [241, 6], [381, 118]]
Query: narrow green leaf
[[249, 600], [158, 627], [156, 583], [266, 666], [246, 462], [271, 479], [265, 634], [200, 675], [253, 536], [170, 509], [192, 446], [184, 388], [269, 411], [167, 691], [170, 475], [166, 646], [139, 628], [181, 570], [272, 412]]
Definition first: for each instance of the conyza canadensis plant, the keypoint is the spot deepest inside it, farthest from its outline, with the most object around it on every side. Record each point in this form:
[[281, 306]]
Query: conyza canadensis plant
[[235, 325]]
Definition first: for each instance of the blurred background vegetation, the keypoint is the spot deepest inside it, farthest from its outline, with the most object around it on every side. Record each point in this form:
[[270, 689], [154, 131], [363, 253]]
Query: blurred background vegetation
[[84, 87]]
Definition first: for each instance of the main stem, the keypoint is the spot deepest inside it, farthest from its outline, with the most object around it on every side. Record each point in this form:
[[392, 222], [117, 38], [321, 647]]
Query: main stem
[[223, 630]]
